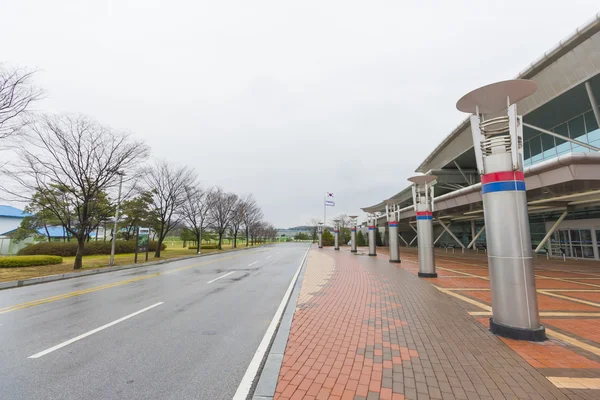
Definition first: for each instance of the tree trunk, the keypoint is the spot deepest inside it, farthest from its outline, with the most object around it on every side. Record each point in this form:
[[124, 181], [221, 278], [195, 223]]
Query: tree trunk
[[158, 246], [247, 237], [79, 255], [234, 239], [47, 233], [199, 238], [220, 241]]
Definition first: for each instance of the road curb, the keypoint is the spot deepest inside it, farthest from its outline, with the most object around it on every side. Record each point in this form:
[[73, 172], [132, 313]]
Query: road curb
[[267, 380], [96, 271]]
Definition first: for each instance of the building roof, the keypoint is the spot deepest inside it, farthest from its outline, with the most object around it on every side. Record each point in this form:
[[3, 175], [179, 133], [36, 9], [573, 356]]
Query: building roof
[[580, 34], [12, 212]]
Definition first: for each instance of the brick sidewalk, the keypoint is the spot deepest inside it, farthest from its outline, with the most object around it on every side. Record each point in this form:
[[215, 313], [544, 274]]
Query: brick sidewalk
[[367, 329]]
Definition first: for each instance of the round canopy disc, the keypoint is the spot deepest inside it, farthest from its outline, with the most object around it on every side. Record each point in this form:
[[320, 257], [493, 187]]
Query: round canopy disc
[[353, 216], [422, 179], [492, 98]]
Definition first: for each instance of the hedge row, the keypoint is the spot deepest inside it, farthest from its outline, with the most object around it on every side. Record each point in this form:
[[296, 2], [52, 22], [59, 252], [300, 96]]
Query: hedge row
[[69, 249], [205, 247], [28, 261]]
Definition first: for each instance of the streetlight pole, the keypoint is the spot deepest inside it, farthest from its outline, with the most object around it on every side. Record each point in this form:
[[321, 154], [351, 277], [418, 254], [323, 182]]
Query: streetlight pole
[[114, 236]]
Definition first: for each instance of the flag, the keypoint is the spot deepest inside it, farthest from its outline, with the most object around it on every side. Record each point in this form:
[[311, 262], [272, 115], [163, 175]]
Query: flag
[[329, 200]]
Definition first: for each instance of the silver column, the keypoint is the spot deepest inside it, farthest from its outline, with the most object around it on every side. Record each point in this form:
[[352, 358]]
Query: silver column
[[510, 258], [372, 240], [353, 246], [425, 242], [336, 235], [320, 237], [423, 204], [499, 156], [393, 239]]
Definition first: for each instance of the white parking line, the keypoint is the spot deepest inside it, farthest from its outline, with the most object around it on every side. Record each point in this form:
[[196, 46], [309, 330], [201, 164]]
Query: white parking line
[[68, 342], [268, 256], [222, 276], [255, 262]]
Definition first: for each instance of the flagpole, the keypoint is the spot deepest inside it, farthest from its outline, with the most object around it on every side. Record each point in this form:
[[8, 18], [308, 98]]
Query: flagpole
[[324, 211]]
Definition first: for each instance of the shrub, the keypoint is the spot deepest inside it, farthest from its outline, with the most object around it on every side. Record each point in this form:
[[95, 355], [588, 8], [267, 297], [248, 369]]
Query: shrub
[[205, 247], [28, 261], [360, 239], [69, 249], [327, 238]]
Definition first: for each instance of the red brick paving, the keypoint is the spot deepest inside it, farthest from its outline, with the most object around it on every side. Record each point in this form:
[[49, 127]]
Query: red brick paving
[[369, 329], [588, 328]]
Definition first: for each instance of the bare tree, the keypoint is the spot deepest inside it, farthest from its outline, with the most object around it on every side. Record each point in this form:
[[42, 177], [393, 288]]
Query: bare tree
[[167, 184], [196, 209], [16, 95], [345, 223], [239, 215], [251, 215], [68, 165], [314, 224], [221, 212]]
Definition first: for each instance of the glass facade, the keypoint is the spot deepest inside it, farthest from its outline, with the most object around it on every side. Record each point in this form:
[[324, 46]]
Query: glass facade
[[545, 147]]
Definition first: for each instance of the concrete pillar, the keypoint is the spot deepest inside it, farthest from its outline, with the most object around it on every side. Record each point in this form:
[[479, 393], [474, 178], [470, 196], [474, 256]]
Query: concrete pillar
[[423, 200], [499, 159], [393, 239], [336, 238]]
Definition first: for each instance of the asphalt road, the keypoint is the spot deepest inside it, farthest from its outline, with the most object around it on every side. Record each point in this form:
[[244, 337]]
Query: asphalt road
[[182, 330]]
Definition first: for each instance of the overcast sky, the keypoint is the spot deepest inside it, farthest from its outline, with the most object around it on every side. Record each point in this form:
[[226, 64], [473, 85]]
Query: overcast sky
[[285, 100]]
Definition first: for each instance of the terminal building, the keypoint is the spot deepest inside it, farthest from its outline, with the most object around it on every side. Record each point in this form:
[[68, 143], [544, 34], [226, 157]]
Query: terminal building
[[562, 178]]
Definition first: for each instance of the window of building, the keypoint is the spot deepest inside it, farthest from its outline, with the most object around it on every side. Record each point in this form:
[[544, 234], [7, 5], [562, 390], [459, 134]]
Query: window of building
[[583, 128], [591, 127], [577, 132], [535, 145]]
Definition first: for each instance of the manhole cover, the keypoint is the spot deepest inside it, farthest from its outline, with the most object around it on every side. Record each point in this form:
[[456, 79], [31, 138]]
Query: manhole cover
[[209, 333]]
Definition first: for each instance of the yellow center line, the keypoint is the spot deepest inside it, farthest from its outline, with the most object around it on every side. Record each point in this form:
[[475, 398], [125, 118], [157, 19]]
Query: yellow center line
[[76, 293]]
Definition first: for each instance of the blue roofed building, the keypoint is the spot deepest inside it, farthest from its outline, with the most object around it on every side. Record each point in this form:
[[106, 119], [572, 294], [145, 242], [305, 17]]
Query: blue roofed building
[[10, 220]]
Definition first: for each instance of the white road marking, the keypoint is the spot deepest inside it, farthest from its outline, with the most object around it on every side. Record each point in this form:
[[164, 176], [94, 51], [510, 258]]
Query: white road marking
[[222, 276], [255, 262], [68, 342], [268, 256], [246, 383]]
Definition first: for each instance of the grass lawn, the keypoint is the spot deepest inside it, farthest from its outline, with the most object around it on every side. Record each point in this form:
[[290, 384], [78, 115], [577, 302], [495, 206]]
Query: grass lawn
[[13, 274]]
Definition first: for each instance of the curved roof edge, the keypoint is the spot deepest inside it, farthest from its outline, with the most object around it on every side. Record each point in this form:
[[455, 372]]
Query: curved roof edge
[[567, 44]]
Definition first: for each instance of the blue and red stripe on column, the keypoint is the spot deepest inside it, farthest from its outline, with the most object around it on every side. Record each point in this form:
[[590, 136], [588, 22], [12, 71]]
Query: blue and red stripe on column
[[393, 224], [424, 215], [372, 227], [352, 229], [502, 182]]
